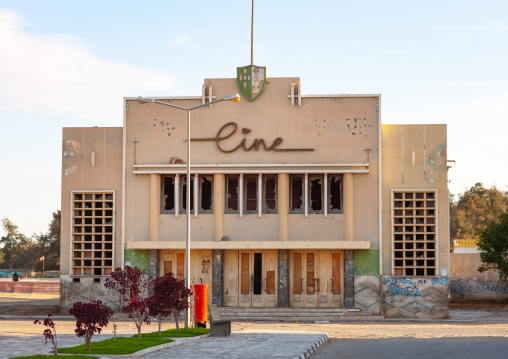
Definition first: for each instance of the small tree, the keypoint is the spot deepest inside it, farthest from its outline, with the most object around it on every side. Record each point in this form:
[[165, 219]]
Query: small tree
[[90, 319], [493, 246], [169, 297], [50, 333], [131, 282]]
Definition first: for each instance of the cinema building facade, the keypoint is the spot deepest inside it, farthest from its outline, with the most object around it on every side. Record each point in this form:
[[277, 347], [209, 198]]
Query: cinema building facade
[[302, 201]]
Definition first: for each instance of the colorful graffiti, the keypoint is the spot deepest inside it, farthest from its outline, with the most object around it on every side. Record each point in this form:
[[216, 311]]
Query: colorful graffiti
[[463, 286]]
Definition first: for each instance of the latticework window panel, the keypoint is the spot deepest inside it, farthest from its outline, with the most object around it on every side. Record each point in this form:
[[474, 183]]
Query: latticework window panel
[[92, 233], [414, 216]]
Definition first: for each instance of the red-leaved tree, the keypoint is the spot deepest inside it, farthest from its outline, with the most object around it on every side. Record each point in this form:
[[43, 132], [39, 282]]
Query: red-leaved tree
[[50, 333], [90, 319], [170, 296], [132, 283]]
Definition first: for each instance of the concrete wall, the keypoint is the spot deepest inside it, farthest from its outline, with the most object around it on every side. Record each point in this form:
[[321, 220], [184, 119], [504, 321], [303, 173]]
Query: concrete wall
[[85, 291], [465, 265], [428, 172], [467, 290], [415, 297]]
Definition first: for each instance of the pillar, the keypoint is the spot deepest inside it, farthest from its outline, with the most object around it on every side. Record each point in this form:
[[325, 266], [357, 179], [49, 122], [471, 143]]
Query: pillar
[[154, 206], [348, 207], [283, 205], [349, 279], [283, 285], [218, 205], [218, 277]]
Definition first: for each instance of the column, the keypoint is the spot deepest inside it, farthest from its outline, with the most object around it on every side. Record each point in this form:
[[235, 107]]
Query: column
[[348, 207], [218, 277], [283, 285], [218, 205], [349, 279], [283, 205], [154, 206]]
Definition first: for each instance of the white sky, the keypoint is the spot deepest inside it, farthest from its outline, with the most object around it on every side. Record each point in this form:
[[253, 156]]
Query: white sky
[[65, 63]]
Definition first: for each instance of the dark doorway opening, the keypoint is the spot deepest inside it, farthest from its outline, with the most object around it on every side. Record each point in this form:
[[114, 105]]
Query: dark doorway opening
[[257, 272]]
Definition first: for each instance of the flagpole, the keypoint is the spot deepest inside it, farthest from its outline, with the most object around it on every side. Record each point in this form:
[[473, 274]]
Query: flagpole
[[252, 36]]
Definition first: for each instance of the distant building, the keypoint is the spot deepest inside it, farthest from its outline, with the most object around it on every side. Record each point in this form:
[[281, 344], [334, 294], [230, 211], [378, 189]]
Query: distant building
[[297, 200]]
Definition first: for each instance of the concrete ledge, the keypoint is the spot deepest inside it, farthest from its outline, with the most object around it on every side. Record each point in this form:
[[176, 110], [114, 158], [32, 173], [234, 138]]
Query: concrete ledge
[[314, 346]]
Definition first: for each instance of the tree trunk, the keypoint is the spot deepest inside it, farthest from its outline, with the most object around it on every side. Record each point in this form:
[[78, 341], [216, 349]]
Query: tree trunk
[[160, 323], [176, 315], [88, 340], [138, 322], [55, 350]]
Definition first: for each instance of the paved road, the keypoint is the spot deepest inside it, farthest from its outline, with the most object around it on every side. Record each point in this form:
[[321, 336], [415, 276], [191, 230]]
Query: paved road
[[415, 348]]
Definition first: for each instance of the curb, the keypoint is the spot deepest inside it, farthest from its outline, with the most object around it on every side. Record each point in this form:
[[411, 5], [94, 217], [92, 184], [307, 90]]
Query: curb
[[174, 343], [313, 347]]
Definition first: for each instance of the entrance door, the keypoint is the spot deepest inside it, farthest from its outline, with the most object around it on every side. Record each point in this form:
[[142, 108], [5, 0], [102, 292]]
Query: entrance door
[[231, 278], [258, 278], [316, 279]]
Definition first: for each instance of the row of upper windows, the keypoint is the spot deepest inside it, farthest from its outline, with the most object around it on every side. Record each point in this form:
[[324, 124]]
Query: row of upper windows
[[250, 193]]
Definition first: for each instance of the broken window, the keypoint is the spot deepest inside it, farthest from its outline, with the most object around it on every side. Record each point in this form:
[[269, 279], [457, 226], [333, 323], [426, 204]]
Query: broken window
[[297, 193], [232, 194], [335, 193], [205, 194], [92, 234], [251, 194], [414, 233], [316, 194], [270, 194]]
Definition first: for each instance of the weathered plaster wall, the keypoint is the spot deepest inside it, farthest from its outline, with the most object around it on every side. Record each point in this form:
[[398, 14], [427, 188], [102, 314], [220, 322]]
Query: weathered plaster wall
[[366, 262], [218, 277], [465, 265], [415, 297], [85, 291], [78, 173], [467, 290], [137, 258], [429, 171]]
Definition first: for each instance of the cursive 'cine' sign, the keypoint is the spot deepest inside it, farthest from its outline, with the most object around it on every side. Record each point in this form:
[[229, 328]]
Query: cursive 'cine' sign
[[222, 135]]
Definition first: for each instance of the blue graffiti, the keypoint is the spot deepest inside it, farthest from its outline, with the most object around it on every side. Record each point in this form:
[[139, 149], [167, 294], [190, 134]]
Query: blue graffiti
[[462, 286], [409, 287]]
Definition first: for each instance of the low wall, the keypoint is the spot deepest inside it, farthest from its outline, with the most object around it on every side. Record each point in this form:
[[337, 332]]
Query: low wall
[[30, 287], [415, 297], [469, 290], [85, 291]]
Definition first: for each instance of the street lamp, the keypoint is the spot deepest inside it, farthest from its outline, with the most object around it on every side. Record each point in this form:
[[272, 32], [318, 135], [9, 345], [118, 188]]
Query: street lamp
[[143, 100]]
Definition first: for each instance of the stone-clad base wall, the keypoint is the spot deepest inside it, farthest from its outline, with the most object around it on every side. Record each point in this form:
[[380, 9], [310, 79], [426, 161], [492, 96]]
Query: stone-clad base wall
[[467, 290], [415, 297], [367, 294], [85, 291]]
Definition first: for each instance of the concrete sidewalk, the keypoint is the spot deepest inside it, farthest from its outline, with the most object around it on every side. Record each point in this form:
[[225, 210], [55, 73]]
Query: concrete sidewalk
[[243, 344]]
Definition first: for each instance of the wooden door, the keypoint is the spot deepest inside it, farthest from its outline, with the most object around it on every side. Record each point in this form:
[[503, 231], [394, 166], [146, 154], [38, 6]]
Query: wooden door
[[297, 278], [231, 278], [246, 278], [270, 271], [323, 285], [337, 279], [310, 279]]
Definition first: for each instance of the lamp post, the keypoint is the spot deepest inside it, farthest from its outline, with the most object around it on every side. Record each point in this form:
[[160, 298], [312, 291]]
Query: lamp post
[[143, 100]]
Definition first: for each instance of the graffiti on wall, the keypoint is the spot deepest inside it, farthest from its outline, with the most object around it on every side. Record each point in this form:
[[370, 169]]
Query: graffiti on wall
[[463, 286], [409, 287]]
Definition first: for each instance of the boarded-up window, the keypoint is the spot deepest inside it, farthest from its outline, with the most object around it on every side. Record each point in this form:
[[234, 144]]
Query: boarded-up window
[[270, 282], [270, 195], [296, 196], [251, 192], [297, 273], [245, 274], [180, 265], [168, 267], [310, 273], [336, 273], [232, 194]]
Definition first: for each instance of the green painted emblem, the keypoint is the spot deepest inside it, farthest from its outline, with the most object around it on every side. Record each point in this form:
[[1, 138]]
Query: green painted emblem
[[251, 81]]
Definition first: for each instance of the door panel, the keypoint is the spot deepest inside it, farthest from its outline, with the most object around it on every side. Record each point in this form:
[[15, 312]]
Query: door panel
[[323, 284], [245, 279], [337, 278], [231, 278], [310, 280], [297, 279], [271, 263]]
